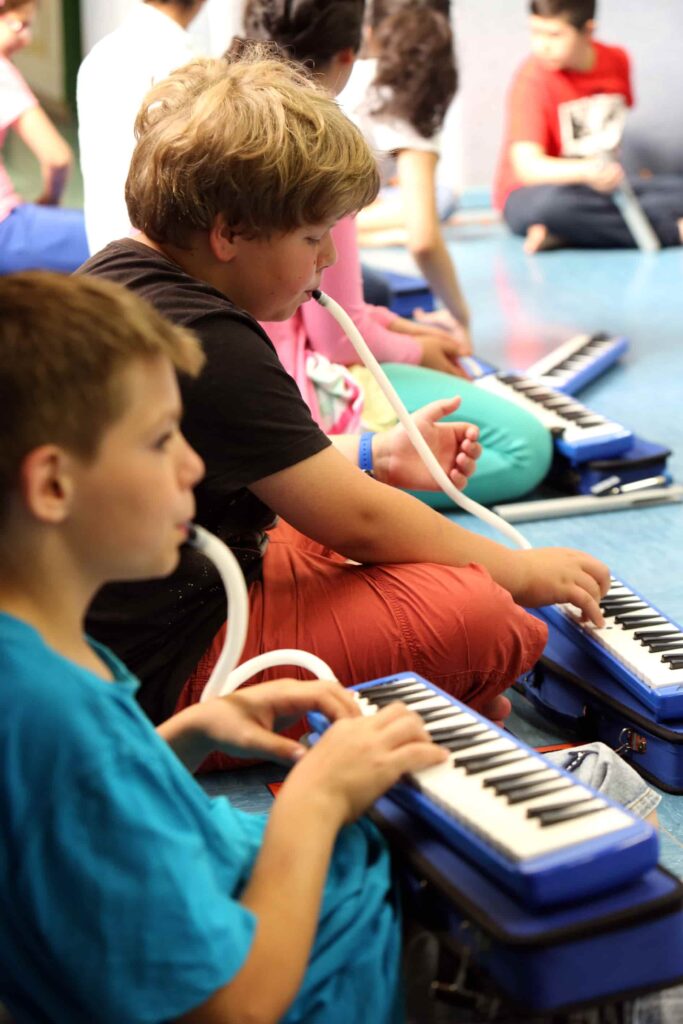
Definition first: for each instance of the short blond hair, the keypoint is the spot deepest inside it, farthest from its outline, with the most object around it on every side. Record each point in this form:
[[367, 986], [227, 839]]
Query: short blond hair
[[252, 138], [64, 344]]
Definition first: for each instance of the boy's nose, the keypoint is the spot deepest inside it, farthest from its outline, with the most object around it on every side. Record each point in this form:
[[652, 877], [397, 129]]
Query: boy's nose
[[191, 466], [327, 254]]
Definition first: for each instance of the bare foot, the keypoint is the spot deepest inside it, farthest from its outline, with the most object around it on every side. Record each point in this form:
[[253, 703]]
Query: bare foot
[[680, 230], [539, 239]]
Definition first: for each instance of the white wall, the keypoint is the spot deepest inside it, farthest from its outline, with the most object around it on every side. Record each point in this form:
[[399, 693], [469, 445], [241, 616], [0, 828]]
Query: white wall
[[42, 62], [214, 27], [491, 37]]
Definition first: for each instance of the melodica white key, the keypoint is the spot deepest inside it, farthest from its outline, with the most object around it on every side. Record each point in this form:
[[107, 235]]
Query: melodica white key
[[542, 834], [579, 433], [639, 645], [576, 362]]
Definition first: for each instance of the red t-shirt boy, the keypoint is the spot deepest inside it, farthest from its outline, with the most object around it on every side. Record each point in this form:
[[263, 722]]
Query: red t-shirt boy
[[566, 108]]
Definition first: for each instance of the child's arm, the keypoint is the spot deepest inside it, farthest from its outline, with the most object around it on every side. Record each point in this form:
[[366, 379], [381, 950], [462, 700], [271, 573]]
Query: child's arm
[[351, 765], [417, 181], [330, 500], [534, 167], [53, 154]]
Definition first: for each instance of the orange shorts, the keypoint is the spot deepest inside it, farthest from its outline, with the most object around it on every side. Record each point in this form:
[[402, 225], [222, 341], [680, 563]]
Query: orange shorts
[[454, 626]]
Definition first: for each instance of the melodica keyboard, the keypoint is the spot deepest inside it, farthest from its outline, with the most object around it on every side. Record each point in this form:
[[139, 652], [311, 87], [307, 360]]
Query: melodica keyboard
[[578, 361], [639, 645], [540, 833], [580, 434]]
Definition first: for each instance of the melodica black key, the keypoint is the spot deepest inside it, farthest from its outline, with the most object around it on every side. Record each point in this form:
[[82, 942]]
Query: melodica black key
[[637, 645], [579, 433], [543, 835]]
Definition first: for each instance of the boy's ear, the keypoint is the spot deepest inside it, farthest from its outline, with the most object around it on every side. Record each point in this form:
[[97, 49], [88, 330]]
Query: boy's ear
[[222, 240], [589, 28], [46, 484]]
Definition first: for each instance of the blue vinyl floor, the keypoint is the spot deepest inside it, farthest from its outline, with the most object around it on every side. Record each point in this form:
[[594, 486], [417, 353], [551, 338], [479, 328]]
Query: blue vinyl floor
[[523, 307]]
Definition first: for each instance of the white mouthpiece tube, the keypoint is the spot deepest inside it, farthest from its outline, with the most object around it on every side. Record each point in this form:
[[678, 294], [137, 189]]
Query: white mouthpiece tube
[[225, 677], [423, 449]]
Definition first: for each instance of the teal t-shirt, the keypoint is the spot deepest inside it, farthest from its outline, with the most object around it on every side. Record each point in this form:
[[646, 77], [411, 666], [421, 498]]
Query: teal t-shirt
[[120, 878]]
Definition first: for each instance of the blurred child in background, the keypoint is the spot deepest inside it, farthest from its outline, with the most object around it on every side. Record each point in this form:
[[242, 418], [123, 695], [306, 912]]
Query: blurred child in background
[[38, 234], [559, 166]]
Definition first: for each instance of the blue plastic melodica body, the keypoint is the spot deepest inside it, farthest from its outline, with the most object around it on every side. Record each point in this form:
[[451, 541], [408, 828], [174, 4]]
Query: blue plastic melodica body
[[638, 645], [578, 361], [541, 834], [579, 433]]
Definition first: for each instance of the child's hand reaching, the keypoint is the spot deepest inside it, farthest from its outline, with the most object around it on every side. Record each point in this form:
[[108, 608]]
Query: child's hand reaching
[[455, 444], [245, 723]]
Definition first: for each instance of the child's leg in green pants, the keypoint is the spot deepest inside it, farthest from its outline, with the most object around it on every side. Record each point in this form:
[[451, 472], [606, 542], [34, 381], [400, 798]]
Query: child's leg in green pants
[[517, 449]]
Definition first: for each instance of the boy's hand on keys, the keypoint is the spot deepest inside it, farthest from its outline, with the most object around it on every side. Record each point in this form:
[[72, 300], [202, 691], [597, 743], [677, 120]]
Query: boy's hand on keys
[[355, 761], [559, 576], [245, 723]]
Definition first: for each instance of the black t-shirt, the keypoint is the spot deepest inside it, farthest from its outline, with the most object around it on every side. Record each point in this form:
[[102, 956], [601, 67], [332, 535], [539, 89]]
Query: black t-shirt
[[245, 416]]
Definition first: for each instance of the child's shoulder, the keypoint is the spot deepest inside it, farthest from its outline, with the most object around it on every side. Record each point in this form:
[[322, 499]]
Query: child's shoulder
[[609, 53], [182, 298], [11, 78], [47, 700]]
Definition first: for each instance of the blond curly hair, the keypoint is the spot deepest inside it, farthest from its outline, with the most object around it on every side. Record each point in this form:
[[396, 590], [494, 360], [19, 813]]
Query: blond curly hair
[[252, 138]]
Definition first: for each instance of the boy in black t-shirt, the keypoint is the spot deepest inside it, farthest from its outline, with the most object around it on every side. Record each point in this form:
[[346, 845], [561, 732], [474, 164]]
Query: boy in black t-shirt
[[240, 171]]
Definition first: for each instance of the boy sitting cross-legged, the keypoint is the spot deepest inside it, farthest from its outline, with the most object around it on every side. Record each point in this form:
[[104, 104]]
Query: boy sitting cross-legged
[[127, 895], [560, 165], [240, 171]]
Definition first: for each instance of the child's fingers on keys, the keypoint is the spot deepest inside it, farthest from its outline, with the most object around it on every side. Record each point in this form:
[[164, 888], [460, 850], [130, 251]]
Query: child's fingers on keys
[[589, 584], [587, 605], [342, 703], [599, 571], [295, 696], [411, 757], [401, 726]]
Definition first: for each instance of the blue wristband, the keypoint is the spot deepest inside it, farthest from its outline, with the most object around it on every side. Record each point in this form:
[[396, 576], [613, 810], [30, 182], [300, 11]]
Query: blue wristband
[[365, 452]]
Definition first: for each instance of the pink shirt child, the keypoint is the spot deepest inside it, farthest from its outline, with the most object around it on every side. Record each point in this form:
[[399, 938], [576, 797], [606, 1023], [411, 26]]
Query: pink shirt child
[[15, 99], [312, 329]]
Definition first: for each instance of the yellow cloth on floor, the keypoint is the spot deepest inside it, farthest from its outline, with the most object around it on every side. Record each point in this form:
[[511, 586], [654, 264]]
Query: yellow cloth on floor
[[377, 413]]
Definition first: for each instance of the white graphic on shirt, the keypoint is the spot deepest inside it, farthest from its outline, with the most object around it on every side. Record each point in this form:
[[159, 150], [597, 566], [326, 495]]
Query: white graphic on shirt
[[592, 125]]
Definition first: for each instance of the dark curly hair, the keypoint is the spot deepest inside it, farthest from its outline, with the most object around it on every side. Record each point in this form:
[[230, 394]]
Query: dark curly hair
[[415, 63], [311, 32], [576, 12], [378, 10]]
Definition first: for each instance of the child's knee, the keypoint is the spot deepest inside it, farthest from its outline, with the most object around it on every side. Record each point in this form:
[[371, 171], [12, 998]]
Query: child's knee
[[488, 644], [501, 634]]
